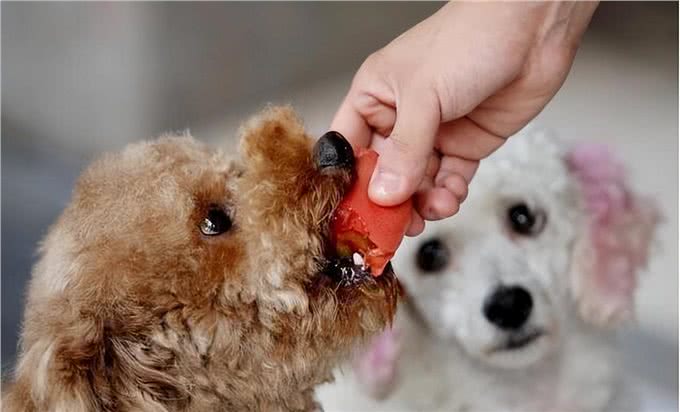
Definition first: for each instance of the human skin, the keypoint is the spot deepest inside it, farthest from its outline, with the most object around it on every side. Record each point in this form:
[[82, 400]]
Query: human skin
[[449, 91]]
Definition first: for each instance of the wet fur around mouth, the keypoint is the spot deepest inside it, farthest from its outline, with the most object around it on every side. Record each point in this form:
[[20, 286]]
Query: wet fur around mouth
[[145, 312], [354, 283]]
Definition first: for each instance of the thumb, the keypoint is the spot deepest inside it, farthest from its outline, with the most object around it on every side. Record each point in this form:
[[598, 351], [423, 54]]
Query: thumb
[[405, 153]]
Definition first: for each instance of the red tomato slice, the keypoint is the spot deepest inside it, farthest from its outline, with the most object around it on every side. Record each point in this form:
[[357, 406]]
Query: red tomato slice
[[361, 226]]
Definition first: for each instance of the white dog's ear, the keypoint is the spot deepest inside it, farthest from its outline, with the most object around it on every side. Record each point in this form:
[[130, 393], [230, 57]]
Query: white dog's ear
[[616, 236], [376, 367]]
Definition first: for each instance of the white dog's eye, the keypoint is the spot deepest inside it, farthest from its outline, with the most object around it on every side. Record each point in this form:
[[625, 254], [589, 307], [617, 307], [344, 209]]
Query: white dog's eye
[[525, 221], [433, 256], [215, 223]]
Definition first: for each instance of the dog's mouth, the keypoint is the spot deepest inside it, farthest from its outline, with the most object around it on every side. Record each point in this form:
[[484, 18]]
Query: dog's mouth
[[355, 289], [519, 340], [352, 271]]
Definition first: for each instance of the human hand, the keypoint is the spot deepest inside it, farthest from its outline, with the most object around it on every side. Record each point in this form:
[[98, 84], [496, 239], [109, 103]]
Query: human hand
[[449, 91]]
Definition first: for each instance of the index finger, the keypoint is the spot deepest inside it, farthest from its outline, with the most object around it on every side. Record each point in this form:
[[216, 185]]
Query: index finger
[[351, 124]]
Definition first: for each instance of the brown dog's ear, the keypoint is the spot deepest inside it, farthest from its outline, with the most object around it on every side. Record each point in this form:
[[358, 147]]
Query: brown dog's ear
[[616, 239], [54, 372], [376, 367], [87, 364]]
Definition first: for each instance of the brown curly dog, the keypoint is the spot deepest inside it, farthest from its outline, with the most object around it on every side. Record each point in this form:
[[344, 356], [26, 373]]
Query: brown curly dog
[[179, 279]]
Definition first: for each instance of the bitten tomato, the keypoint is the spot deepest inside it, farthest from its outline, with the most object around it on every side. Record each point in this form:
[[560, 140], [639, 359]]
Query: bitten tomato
[[361, 226]]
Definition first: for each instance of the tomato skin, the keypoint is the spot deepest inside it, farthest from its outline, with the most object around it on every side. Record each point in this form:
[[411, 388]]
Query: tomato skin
[[359, 225]]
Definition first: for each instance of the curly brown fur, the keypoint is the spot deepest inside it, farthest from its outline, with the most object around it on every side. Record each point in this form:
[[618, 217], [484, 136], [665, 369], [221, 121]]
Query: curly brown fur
[[132, 308]]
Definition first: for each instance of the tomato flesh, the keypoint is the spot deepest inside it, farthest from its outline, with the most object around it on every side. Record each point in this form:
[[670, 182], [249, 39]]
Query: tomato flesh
[[361, 226]]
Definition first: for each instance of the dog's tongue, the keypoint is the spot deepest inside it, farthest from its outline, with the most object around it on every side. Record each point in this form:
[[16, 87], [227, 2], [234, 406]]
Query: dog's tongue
[[361, 226]]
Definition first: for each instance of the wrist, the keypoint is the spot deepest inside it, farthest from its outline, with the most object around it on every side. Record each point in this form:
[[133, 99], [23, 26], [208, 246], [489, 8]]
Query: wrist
[[565, 22]]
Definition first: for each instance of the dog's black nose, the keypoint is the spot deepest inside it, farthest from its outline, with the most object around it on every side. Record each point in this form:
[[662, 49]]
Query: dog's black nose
[[333, 150], [508, 307]]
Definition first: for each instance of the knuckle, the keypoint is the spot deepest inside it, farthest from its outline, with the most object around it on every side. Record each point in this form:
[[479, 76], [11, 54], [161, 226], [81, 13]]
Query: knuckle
[[375, 58]]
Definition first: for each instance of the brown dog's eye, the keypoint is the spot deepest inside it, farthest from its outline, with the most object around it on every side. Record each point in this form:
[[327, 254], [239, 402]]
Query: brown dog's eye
[[215, 223]]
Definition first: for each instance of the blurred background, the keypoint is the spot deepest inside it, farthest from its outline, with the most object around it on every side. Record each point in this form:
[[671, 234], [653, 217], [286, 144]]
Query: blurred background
[[82, 78]]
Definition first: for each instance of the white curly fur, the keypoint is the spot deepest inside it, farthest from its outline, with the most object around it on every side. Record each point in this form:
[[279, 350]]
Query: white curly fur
[[450, 357]]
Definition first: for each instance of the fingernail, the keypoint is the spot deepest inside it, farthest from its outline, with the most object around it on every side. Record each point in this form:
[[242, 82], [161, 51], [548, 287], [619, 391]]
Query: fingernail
[[385, 185]]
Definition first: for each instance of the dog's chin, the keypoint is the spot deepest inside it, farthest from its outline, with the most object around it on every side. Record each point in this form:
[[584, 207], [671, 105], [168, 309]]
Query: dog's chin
[[353, 284], [518, 350]]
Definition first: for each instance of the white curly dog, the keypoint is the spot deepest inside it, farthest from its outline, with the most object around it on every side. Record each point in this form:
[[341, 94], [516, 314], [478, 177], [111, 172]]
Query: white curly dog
[[513, 304]]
